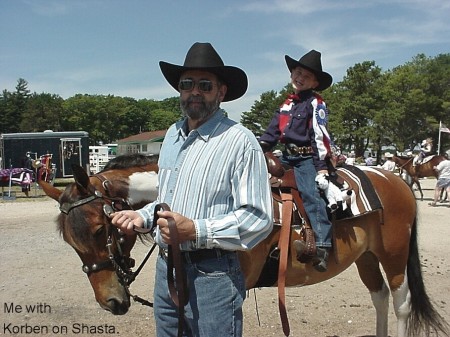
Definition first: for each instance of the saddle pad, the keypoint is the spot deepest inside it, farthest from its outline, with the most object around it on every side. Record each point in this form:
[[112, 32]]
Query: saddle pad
[[364, 199]]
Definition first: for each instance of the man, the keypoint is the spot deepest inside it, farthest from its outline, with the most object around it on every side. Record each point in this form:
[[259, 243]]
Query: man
[[213, 175], [443, 182], [389, 164]]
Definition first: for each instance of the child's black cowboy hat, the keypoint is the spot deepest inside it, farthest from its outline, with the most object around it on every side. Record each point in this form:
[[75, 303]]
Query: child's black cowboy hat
[[311, 61], [202, 56]]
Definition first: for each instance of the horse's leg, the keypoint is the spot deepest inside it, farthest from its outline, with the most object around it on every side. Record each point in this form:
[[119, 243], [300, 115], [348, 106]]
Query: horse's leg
[[416, 180], [370, 274], [402, 307]]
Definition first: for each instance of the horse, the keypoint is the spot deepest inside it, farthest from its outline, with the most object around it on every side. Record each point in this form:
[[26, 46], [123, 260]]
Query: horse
[[420, 170], [386, 237], [126, 182]]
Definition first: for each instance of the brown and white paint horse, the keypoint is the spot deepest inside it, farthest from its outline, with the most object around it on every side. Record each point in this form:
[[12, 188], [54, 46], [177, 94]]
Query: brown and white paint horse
[[386, 238], [126, 182], [418, 171]]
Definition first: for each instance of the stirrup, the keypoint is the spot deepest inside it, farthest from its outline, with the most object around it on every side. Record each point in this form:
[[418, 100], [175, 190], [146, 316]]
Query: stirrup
[[320, 262], [300, 248]]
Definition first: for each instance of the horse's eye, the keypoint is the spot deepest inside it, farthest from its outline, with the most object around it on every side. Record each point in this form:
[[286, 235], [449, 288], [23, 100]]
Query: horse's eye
[[100, 230]]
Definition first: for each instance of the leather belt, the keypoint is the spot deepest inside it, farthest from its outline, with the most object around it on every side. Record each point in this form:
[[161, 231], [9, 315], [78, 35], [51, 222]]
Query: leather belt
[[196, 256], [294, 150]]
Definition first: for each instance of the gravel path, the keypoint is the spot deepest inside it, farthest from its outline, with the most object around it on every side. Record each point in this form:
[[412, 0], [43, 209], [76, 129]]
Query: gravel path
[[42, 285]]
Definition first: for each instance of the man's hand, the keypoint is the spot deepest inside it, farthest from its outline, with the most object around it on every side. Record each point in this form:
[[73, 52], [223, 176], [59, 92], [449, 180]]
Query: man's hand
[[126, 220], [185, 226]]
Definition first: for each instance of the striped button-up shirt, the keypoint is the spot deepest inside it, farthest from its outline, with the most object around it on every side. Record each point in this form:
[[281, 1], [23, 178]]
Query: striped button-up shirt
[[217, 176]]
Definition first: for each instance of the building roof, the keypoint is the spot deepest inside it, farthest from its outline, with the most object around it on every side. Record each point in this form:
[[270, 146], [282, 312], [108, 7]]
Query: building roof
[[45, 134], [149, 136]]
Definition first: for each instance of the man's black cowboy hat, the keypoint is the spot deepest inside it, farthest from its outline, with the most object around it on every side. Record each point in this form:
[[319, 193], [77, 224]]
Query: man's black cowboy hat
[[311, 61], [202, 56]]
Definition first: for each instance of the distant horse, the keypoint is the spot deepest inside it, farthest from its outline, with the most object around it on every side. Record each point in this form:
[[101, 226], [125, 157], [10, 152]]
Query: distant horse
[[126, 182], [420, 170], [386, 237]]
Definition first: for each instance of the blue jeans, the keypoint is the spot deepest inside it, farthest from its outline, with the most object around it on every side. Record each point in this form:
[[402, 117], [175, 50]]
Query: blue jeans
[[315, 206], [216, 289]]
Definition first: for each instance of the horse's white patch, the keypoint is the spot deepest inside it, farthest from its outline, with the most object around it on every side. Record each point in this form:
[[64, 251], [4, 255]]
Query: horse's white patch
[[402, 306], [143, 186], [374, 170]]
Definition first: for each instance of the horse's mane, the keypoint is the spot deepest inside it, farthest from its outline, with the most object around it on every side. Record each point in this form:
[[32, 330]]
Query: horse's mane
[[130, 160]]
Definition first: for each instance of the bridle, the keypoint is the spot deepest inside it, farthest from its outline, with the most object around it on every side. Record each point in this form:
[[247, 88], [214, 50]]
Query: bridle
[[405, 163], [114, 240]]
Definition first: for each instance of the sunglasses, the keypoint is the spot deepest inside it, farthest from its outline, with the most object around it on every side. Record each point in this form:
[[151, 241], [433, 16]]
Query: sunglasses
[[188, 84]]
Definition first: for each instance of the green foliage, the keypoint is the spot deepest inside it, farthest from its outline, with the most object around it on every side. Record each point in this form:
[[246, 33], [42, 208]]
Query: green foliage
[[12, 107], [42, 112], [262, 111], [369, 108], [105, 118], [354, 103]]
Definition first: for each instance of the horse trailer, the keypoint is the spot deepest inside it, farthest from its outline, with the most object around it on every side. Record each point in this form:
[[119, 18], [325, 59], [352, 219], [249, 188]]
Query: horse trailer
[[63, 148]]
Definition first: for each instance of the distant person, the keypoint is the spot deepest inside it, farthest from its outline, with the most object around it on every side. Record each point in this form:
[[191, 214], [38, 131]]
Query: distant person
[[389, 164], [443, 182], [369, 161], [350, 159], [425, 150]]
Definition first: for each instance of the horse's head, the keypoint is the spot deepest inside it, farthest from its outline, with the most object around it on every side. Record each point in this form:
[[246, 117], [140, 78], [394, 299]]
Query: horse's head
[[85, 225]]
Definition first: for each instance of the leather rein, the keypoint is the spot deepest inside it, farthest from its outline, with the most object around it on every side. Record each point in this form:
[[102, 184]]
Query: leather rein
[[122, 264]]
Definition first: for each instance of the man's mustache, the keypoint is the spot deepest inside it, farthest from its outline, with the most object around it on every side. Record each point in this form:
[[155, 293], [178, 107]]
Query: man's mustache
[[195, 99]]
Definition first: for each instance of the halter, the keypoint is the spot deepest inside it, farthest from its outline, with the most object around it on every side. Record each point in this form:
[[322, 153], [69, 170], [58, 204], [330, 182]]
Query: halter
[[122, 264]]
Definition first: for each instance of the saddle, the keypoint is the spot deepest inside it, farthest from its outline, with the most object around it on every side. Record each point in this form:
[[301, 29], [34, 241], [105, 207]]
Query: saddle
[[362, 198]]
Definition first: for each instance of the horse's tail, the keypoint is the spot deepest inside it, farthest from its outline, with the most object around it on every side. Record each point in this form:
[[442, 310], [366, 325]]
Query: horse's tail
[[424, 316]]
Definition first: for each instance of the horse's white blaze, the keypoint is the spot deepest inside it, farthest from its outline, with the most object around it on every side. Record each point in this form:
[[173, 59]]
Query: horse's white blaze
[[143, 187]]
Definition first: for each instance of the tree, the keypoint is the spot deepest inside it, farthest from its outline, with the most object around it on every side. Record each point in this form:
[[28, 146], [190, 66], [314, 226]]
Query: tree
[[8, 120], [12, 106], [262, 111], [42, 112], [353, 104]]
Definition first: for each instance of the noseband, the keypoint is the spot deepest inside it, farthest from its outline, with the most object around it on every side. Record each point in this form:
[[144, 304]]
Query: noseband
[[122, 264]]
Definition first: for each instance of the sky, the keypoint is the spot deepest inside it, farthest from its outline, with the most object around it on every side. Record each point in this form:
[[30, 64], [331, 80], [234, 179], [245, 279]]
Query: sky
[[112, 47]]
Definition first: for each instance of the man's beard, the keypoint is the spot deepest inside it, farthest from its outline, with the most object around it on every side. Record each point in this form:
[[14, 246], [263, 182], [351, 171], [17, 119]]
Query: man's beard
[[200, 112]]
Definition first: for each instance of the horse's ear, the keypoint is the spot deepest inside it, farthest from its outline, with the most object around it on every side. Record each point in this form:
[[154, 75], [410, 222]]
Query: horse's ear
[[50, 190], [80, 176]]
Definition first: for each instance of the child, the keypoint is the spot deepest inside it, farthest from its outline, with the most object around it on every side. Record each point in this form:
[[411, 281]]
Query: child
[[425, 150], [300, 124]]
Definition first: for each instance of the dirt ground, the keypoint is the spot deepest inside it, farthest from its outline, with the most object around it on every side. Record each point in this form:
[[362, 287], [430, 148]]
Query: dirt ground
[[42, 285]]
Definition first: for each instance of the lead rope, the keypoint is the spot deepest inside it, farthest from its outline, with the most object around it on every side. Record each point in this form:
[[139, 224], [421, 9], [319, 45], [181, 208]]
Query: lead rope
[[178, 286], [283, 244]]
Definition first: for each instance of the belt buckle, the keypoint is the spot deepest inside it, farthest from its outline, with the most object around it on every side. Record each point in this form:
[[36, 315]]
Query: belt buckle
[[292, 149]]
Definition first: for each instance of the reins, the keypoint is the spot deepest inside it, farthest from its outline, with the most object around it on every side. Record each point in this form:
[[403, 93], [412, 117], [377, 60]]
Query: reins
[[177, 287], [406, 162]]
